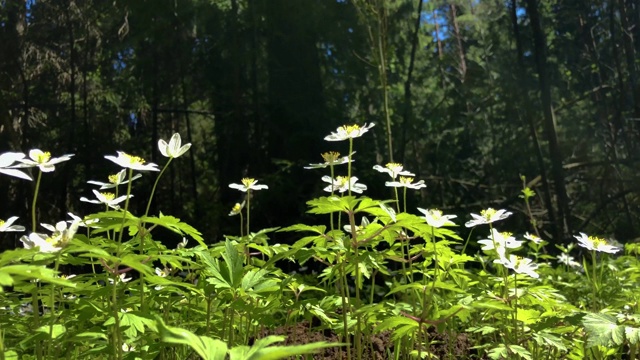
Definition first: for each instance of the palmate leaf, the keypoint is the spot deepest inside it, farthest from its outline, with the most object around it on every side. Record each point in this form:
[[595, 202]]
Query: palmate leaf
[[112, 220], [206, 347], [174, 224], [548, 339], [262, 349], [632, 334], [331, 204], [602, 329], [318, 229], [10, 274]]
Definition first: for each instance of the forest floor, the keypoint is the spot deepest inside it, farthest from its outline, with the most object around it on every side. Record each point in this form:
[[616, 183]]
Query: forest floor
[[379, 346]]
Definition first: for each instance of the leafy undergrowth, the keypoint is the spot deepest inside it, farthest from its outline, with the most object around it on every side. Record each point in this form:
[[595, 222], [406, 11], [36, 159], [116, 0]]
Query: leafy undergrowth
[[382, 281]]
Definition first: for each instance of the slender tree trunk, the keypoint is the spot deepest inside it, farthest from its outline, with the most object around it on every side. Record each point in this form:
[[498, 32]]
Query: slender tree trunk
[[529, 120], [555, 155], [462, 62], [408, 108], [630, 56]]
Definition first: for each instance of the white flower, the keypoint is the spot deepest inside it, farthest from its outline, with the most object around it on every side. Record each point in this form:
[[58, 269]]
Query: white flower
[[162, 272], [568, 260], [44, 243], [6, 226], [182, 244], [331, 158], [121, 278], [80, 221], [248, 184], [595, 243], [348, 132], [106, 198], [128, 348], [173, 149], [6, 162], [436, 219], [406, 182], [500, 241], [61, 232], [236, 209], [487, 216], [520, 265], [115, 180], [393, 169], [533, 237], [342, 184], [132, 162], [359, 228], [43, 160]]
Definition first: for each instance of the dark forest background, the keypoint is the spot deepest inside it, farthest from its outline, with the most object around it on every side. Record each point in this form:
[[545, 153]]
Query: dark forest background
[[468, 94]]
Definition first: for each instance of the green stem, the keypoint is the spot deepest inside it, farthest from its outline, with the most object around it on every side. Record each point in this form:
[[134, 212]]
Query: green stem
[[348, 166], [248, 209], [241, 224], [52, 301], [34, 202], [153, 190]]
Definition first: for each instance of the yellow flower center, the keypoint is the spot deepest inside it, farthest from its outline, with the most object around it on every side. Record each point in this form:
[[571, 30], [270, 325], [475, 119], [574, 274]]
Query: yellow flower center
[[247, 182], [406, 180], [436, 214], [597, 241], [114, 178], [2, 222], [350, 128], [52, 240], [488, 214], [331, 156], [342, 181], [108, 196], [43, 158], [236, 208], [133, 159], [506, 234], [393, 166], [518, 261]]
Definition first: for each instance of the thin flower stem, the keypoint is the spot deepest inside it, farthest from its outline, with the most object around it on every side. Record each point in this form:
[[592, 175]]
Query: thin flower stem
[[348, 165], [35, 201], [241, 224], [395, 190], [404, 198], [594, 280], [53, 307], [34, 294], [248, 209], [153, 190]]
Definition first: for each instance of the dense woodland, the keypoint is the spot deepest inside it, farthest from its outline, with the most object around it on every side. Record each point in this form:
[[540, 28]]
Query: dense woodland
[[468, 94]]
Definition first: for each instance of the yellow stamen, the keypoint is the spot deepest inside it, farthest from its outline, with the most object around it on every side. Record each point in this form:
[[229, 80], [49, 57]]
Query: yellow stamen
[[108, 196], [247, 182], [331, 156], [2, 222], [114, 179], [350, 128], [488, 214], [133, 159], [43, 158], [406, 180], [393, 166]]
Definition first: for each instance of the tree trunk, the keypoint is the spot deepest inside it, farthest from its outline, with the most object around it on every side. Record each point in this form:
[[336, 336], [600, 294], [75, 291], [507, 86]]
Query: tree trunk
[[408, 108], [555, 155]]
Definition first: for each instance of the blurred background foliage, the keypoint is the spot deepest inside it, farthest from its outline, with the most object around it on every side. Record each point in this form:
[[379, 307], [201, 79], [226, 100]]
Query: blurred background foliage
[[468, 94]]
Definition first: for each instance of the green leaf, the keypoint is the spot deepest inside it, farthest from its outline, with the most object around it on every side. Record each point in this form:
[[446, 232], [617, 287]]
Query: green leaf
[[174, 224], [602, 329], [545, 338], [318, 229], [206, 347], [632, 334], [331, 204], [396, 321], [262, 350], [56, 331]]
